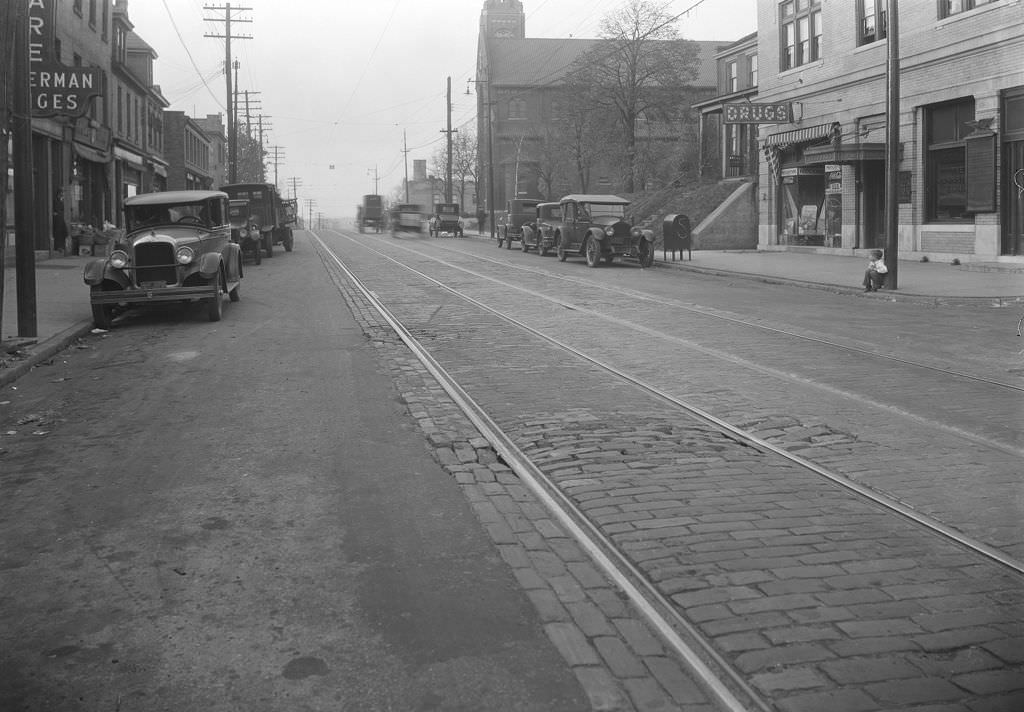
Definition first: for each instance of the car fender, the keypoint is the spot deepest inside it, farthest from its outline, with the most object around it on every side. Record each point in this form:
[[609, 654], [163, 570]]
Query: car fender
[[97, 271], [209, 264], [233, 259], [597, 234]]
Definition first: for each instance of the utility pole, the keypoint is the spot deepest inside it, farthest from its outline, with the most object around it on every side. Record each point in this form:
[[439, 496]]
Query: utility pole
[[227, 37], [449, 131], [21, 135], [490, 145], [276, 157], [376, 180], [296, 182], [405, 150], [261, 128], [309, 206], [892, 147]]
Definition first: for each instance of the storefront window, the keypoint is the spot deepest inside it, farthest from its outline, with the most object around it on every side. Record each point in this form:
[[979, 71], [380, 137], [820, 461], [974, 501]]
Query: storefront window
[[947, 163], [803, 206]]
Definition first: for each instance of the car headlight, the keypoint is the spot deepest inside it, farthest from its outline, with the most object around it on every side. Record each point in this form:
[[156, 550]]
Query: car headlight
[[119, 259], [636, 232], [184, 255], [609, 231]]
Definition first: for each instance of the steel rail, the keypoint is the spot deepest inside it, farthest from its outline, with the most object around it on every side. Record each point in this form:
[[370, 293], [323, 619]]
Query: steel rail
[[660, 613], [889, 503], [725, 317]]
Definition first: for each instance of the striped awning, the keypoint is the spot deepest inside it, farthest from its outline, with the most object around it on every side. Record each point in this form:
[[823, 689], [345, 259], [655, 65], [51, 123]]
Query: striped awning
[[789, 138]]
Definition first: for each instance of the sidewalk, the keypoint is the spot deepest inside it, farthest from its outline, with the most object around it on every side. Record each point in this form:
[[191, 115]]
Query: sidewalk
[[63, 313]]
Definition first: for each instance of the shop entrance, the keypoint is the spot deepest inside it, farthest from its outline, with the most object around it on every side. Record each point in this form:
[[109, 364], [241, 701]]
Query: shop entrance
[[1013, 172], [872, 181]]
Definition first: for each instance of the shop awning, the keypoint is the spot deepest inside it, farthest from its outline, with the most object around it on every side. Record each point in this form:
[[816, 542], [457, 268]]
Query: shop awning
[[789, 138], [853, 153], [91, 153]]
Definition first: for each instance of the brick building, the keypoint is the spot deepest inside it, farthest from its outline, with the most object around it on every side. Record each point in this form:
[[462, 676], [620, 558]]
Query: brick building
[[187, 149], [519, 83], [961, 127]]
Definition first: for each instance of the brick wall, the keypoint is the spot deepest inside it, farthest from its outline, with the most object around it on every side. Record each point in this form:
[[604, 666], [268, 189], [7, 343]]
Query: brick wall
[[732, 225]]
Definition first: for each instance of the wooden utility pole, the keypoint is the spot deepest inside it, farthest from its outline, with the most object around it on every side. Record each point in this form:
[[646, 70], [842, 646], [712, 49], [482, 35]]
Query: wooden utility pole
[[449, 131], [227, 37], [892, 148], [24, 199], [405, 150]]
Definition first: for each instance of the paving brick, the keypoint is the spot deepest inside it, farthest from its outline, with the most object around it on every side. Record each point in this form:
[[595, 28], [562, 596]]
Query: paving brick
[[830, 700], [774, 603], [856, 671], [639, 636], [589, 618], [852, 596], [960, 638], [871, 646], [620, 659], [528, 579], [729, 623], [914, 691], [875, 628], [739, 642], [991, 682], [1010, 650], [761, 660], [680, 686], [789, 680], [515, 556], [566, 588], [572, 644], [549, 608], [587, 574], [800, 634], [820, 615], [962, 619], [602, 690], [648, 696]]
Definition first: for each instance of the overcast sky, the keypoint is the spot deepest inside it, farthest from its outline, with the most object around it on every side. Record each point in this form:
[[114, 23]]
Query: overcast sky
[[340, 80]]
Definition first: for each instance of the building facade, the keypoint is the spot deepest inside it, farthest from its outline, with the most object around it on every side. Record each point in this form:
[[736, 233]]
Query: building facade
[[520, 84], [216, 133], [961, 127], [187, 149]]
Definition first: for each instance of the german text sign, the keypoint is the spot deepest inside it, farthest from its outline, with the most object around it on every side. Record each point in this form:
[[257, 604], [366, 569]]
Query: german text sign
[[57, 90]]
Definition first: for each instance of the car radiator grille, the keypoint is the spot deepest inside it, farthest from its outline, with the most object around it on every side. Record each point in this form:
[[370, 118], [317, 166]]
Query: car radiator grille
[[155, 263]]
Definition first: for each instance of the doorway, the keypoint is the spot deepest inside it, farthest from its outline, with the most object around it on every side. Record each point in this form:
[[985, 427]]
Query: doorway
[[872, 181]]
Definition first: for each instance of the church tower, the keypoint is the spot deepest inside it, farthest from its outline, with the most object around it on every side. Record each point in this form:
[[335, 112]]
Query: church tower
[[503, 18]]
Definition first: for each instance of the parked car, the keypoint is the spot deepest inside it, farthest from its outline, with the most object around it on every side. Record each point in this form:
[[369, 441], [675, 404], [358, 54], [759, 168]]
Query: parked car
[[539, 233], [245, 229], [274, 215], [510, 223], [597, 227], [177, 248]]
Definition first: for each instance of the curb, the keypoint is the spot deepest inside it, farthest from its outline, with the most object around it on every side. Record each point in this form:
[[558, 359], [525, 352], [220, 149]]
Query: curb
[[45, 350]]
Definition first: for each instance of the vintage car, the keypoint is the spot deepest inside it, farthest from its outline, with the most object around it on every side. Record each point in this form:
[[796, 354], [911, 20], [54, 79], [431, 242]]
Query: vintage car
[[407, 218], [177, 248], [539, 233], [245, 229], [446, 218], [510, 223], [597, 227]]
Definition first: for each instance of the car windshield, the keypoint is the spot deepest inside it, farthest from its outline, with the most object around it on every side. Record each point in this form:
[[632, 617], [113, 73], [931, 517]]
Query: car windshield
[[598, 210], [552, 212], [140, 216]]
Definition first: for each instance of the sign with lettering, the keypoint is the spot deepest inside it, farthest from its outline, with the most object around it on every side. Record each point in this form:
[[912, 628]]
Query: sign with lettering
[[57, 90], [743, 112]]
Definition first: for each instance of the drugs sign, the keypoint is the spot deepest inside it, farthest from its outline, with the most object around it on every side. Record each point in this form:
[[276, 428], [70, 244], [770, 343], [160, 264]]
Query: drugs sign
[[748, 113], [56, 89]]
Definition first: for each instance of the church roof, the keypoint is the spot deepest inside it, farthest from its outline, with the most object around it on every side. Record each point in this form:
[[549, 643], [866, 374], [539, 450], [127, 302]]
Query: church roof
[[546, 60]]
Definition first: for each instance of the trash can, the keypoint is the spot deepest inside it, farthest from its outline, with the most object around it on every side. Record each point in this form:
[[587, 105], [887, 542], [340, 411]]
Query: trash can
[[676, 235]]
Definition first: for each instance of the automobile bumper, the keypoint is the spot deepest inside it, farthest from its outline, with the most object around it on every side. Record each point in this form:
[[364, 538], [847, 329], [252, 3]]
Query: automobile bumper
[[156, 294]]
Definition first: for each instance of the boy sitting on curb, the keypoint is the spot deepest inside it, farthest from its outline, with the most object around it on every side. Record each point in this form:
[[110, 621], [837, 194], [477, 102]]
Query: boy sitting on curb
[[874, 275]]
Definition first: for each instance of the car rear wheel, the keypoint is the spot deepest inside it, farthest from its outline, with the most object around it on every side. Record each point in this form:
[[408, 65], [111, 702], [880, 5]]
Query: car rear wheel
[[593, 252]]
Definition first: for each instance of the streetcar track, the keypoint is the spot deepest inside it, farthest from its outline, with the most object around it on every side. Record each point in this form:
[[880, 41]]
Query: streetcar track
[[886, 502], [713, 314], [979, 439]]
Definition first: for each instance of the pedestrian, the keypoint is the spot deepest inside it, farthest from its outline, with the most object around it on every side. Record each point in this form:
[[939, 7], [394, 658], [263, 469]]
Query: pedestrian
[[60, 226], [874, 275]]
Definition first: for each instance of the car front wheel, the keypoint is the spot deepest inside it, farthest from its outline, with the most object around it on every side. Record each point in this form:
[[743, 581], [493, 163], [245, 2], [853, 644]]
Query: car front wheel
[[593, 251], [215, 305]]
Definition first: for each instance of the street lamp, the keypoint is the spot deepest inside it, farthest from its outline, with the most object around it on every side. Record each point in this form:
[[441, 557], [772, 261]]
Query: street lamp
[[490, 150]]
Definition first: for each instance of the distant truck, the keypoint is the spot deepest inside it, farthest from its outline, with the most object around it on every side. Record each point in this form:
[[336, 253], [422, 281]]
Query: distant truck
[[407, 217], [268, 211], [371, 214]]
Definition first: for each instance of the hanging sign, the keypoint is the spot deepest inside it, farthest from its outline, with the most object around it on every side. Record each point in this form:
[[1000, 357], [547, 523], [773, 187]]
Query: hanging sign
[[57, 89], [742, 112]]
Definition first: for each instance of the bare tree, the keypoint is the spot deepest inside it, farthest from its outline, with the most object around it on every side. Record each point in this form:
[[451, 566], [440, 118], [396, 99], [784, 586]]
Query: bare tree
[[464, 162], [640, 74]]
